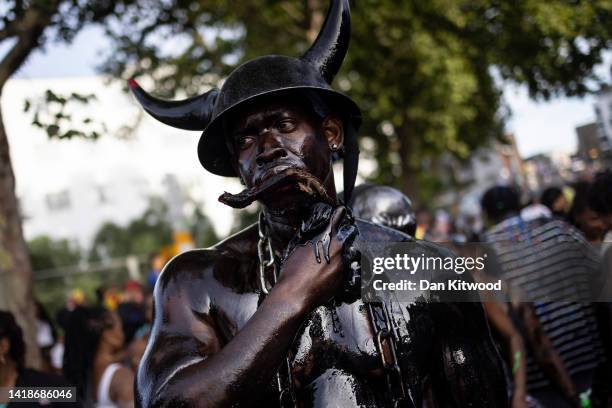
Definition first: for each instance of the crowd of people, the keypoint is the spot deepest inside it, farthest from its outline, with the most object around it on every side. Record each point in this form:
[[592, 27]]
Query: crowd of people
[[557, 352], [554, 253], [94, 346]]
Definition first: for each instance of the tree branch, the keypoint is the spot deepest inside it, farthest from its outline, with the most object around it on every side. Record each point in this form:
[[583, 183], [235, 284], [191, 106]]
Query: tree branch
[[9, 30], [32, 26]]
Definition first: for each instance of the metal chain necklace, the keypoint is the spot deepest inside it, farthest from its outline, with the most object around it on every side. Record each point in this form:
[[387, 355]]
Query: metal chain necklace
[[386, 338], [266, 256], [267, 261]]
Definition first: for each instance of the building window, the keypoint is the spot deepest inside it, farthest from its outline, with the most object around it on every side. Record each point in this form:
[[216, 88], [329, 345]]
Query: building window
[[58, 201]]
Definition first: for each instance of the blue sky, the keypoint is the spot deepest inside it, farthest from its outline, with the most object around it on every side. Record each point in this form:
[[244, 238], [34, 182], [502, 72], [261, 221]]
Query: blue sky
[[538, 126]]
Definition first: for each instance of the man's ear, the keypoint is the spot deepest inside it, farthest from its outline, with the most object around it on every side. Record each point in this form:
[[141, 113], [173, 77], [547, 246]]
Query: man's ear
[[333, 130]]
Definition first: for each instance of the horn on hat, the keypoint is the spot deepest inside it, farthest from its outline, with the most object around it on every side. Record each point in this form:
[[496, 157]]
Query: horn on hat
[[329, 49], [189, 114]]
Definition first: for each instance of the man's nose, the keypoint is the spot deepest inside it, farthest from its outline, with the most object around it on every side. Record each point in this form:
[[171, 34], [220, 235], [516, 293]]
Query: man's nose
[[270, 149]]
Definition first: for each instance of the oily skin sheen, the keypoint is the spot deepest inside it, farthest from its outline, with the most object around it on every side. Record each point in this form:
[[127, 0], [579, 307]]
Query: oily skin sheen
[[217, 341]]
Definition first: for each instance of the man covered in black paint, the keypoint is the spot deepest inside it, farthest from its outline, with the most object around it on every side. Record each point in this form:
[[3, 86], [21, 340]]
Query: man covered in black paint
[[268, 317]]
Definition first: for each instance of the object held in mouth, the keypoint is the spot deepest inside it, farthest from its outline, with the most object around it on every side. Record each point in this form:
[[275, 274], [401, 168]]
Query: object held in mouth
[[304, 180]]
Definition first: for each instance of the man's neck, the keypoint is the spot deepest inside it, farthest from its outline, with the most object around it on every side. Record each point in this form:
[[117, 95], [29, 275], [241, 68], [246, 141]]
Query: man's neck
[[281, 227]]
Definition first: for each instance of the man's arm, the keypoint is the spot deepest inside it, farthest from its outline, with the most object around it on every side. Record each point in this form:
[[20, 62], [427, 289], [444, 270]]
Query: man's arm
[[546, 356], [186, 362], [498, 316], [121, 388]]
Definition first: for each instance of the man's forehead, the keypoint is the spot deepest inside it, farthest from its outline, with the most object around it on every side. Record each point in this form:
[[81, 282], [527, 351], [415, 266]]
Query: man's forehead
[[269, 105]]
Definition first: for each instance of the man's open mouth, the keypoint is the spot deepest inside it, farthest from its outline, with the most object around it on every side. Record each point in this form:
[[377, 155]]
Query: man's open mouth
[[274, 179]]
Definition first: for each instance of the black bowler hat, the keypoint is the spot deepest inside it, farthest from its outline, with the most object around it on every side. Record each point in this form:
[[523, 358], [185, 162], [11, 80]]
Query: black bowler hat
[[315, 70]]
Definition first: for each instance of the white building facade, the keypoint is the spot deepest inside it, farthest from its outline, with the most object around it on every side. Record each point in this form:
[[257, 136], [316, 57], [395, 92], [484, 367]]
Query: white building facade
[[603, 114], [69, 188]]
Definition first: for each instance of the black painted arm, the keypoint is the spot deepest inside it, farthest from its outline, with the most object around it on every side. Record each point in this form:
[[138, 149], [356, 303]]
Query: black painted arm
[[472, 369], [186, 362]]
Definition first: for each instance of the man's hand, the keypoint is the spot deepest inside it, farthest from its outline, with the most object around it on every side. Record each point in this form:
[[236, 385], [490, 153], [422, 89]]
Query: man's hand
[[313, 273]]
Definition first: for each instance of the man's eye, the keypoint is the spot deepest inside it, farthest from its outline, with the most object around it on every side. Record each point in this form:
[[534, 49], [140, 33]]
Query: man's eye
[[286, 125], [244, 141]]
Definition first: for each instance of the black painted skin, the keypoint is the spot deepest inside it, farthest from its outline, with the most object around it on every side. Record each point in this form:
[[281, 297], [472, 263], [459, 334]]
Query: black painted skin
[[216, 341], [204, 297]]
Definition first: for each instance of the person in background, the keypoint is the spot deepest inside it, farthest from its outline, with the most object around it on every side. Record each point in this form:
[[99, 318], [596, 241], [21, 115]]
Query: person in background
[[534, 210], [554, 199], [600, 201], [591, 223], [93, 345], [384, 205], [111, 298], [138, 345], [424, 221], [559, 370], [45, 336], [600, 198], [157, 264], [75, 299], [441, 228], [131, 310], [380, 205], [13, 372]]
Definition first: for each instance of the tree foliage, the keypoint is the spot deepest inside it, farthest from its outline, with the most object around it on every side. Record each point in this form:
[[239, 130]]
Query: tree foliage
[[428, 75], [24, 27], [149, 233], [142, 236], [48, 253]]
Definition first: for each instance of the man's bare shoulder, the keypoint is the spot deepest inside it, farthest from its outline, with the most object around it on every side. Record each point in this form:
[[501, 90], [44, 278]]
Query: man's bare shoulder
[[221, 262]]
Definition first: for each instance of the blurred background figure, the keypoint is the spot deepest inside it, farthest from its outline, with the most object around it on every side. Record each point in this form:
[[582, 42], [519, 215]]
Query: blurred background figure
[[441, 229], [384, 205], [600, 199], [46, 336], [93, 348], [535, 210], [559, 371], [500, 203], [592, 224], [131, 309], [157, 264], [555, 200], [75, 299], [111, 297], [13, 372], [138, 344], [424, 220]]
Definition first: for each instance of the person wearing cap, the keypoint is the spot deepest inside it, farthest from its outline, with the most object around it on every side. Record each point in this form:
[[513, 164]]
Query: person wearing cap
[[269, 317], [384, 205]]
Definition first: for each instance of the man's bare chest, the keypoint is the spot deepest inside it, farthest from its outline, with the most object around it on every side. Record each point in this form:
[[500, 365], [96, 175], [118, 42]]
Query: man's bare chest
[[333, 336]]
